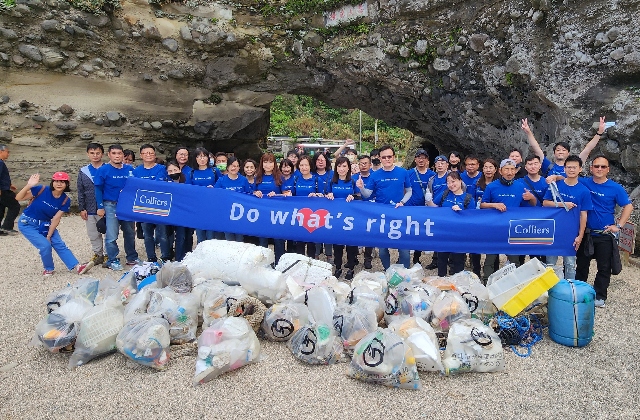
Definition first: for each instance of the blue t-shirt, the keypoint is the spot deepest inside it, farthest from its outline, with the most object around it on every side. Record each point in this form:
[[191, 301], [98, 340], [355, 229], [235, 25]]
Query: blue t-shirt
[[470, 182], [438, 186], [303, 187], [604, 198], [577, 194], [388, 186], [419, 184], [452, 199], [287, 184], [267, 185], [239, 184], [552, 169], [186, 170], [510, 195], [323, 180], [45, 205], [342, 188], [109, 181], [203, 177], [540, 187], [155, 173]]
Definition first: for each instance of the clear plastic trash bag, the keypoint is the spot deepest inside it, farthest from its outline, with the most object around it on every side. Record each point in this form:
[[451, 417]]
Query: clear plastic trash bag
[[86, 288], [283, 319], [448, 308], [176, 276], [180, 309], [353, 323], [367, 298], [145, 340], [383, 358], [228, 344], [58, 330], [422, 339], [472, 347], [408, 299], [316, 344], [218, 301], [396, 274]]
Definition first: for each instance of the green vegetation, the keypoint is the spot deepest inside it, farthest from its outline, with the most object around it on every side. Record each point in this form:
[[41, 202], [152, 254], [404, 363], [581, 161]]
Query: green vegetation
[[509, 78], [354, 28], [214, 99], [7, 4], [300, 115], [301, 7]]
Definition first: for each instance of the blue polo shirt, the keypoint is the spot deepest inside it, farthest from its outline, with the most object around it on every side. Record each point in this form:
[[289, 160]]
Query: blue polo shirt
[[604, 198], [239, 184], [509, 195], [109, 181], [45, 205], [155, 173], [388, 186], [419, 184]]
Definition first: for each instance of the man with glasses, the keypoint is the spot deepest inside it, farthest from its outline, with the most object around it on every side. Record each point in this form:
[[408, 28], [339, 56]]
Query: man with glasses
[[7, 196], [575, 196], [419, 177], [364, 162], [604, 230], [154, 172], [389, 185]]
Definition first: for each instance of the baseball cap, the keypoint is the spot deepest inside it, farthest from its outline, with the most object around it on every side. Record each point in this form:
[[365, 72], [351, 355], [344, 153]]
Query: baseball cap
[[506, 162], [422, 152], [439, 158], [60, 176]]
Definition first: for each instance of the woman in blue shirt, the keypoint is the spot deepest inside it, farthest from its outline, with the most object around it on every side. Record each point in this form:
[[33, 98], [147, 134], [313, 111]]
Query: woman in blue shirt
[[204, 176], [305, 184], [249, 171], [39, 221], [341, 186], [489, 174], [268, 183], [287, 169], [233, 181], [323, 171], [180, 232]]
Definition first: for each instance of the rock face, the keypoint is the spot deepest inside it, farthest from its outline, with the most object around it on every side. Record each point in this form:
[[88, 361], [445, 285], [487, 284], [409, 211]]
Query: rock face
[[459, 74]]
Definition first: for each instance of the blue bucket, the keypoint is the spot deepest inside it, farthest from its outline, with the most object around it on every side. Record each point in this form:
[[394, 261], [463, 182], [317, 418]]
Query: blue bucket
[[571, 313]]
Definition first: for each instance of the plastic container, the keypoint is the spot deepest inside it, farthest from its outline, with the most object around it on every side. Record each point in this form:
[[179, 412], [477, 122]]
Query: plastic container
[[530, 292], [571, 313], [505, 288]]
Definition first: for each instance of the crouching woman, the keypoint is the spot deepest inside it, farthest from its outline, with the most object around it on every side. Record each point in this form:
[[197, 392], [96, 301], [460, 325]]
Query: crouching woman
[[39, 221]]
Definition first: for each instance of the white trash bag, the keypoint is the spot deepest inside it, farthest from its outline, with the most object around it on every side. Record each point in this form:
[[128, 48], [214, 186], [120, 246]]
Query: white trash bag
[[383, 358], [180, 309], [283, 319], [422, 339], [58, 330], [448, 308], [228, 344], [353, 323], [316, 344], [145, 340], [472, 347]]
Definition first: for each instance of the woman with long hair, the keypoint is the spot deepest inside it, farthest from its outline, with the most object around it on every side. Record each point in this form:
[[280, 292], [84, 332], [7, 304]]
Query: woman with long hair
[[233, 181], [322, 165], [305, 184], [489, 174], [204, 175], [268, 183]]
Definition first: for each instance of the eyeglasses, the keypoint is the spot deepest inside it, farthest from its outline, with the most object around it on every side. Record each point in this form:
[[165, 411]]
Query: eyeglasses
[[600, 166], [147, 153], [182, 154], [571, 168], [386, 157]]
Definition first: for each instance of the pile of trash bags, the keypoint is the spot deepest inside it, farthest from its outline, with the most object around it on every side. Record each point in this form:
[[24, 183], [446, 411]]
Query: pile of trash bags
[[224, 296]]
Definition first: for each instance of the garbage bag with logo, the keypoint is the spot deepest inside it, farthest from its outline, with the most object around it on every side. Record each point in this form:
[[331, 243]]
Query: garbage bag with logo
[[58, 330], [99, 328], [283, 319], [316, 344], [353, 323], [472, 347], [180, 309], [447, 308], [383, 358], [397, 274], [367, 298], [217, 302], [422, 339], [145, 340], [228, 344], [408, 299]]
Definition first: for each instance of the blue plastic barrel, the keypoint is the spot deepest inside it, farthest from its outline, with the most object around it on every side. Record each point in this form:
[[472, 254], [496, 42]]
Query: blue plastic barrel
[[571, 313]]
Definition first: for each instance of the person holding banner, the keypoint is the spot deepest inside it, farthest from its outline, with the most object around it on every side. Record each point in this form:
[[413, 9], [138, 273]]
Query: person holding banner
[[249, 171], [419, 176], [487, 176], [390, 185], [305, 185], [205, 175], [506, 193], [233, 181], [456, 199], [181, 247], [604, 229], [287, 170], [268, 183], [322, 169], [342, 186], [181, 156], [364, 162]]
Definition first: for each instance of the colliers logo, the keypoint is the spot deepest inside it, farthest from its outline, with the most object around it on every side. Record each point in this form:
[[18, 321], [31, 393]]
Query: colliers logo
[[152, 202], [532, 231]]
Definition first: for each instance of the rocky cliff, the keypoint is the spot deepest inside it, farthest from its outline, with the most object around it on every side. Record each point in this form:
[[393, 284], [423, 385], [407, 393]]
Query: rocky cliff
[[460, 74]]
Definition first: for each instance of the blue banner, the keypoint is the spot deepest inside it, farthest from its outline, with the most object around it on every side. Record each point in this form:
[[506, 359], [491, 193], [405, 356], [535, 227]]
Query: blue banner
[[524, 230]]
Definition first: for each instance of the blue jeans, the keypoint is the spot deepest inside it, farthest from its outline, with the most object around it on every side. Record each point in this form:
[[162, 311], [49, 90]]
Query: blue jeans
[[29, 228], [233, 237], [205, 235], [569, 262], [278, 246], [152, 234], [128, 233], [181, 234], [385, 258]]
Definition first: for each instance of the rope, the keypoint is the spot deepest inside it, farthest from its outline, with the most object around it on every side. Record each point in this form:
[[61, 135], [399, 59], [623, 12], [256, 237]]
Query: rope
[[522, 331], [251, 309]]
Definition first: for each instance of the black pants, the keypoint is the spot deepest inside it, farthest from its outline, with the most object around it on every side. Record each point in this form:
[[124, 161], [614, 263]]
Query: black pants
[[352, 256], [310, 248], [368, 254], [602, 252], [457, 261], [8, 200]]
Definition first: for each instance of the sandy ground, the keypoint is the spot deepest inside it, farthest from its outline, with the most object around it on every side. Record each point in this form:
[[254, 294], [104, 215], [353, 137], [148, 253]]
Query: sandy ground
[[597, 381]]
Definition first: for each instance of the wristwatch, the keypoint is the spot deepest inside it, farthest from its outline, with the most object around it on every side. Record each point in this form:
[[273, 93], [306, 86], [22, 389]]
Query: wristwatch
[[618, 226]]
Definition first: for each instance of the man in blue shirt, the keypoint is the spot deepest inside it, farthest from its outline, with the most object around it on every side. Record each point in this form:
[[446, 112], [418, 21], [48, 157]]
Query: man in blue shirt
[[154, 172], [7, 196], [604, 230], [472, 174], [87, 201], [109, 181], [390, 185], [364, 162], [419, 177], [575, 196], [501, 195]]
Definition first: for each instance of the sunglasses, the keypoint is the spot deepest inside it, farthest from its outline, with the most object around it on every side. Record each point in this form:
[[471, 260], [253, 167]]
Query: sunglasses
[[386, 157], [600, 166]]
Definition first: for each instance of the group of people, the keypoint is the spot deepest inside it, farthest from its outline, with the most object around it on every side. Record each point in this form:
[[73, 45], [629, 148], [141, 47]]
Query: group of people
[[454, 182]]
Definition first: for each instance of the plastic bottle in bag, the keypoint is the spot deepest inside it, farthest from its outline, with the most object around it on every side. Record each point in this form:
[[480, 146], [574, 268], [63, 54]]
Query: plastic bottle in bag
[[422, 339], [353, 323], [472, 347], [316, 344], [145, 340], [180, 309], [448, 308], [283, 319]]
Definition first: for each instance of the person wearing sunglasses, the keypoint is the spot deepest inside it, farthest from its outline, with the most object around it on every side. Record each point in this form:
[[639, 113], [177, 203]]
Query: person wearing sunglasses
[[603, 226]]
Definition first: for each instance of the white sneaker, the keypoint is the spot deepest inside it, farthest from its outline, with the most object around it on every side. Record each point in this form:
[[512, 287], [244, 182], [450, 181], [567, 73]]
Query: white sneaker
[[599, 303]]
